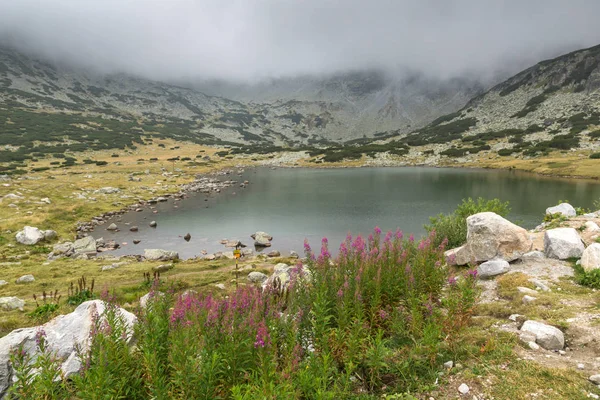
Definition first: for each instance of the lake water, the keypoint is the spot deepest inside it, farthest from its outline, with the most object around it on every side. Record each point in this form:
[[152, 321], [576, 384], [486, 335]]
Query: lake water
[[297, 204]]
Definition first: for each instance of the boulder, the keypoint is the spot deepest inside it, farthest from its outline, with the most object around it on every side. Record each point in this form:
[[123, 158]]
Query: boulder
[[591, 226], [107, 190], [563, 208], [25, 279], [160, 255], [489, 236], [591, 257], [64, 334], [257, 277], [293, 254], [563, 243], [30, 235], [162, 268], [547, 336], [11, 303], [85, 245], [148, 297], [491, 268], [261, 239], [50, 235], [274, 253]]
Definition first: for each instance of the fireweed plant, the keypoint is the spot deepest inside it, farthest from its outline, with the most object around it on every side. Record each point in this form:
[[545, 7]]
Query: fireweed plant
[[380, 318]]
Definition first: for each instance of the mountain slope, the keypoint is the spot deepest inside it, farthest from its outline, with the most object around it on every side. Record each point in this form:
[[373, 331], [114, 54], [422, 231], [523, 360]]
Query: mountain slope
[[554, 105]]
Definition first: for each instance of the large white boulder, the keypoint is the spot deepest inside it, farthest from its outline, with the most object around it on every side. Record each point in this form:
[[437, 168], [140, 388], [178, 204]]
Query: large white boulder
[[563, 208], [11, 303], [489, 236], [563, 243], [160, 255], [547, 336], [30, 235], [257, 277], [261, 239], [591, 257], [63, 334], [85, 245]]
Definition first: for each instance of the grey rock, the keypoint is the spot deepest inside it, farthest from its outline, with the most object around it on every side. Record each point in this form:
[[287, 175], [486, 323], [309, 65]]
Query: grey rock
[[528, 299], [162, 267], [64, 334], [187, 237], [134, 229], [539, 284], [3, 282], [261, 239], [257, 277], [293, 254], [489, 236], [136, 241], [590, 258], [26, 279], [547, 336], [533, 346], [30, 236], [160, 255], [274, 253], [107, 190], [563, 243], [492, 268], [463, 389], [153, 224], [11, 303], [449, 364], [591, 226], [525, 290], [563, 208], [595, 379], [85, 245], [533, 256], [50, 235], [112, 227], [147, 298]]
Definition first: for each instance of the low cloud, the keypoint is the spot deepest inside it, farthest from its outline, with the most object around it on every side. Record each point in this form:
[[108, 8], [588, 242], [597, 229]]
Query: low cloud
[[247, 40]]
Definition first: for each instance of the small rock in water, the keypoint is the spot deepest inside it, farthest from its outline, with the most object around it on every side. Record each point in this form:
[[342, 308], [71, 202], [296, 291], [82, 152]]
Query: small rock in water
[[153, 224], [134, 229], [463, 389], [112, 227], [187, 237], [136, 241]]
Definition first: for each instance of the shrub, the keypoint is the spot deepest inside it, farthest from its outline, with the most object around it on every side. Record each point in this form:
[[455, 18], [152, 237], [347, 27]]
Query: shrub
[[453, 226], [590, 278], [595, 156], [80, 293]]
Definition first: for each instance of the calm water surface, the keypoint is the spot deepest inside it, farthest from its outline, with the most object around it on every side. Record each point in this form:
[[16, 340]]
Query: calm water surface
[[297, 204]]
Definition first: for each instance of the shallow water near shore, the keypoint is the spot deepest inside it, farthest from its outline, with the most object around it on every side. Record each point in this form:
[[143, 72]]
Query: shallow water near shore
[[293, 204]]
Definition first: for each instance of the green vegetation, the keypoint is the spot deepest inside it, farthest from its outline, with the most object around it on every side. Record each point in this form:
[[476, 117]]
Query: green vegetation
[[442, 133], [590, 279], [453, 226]]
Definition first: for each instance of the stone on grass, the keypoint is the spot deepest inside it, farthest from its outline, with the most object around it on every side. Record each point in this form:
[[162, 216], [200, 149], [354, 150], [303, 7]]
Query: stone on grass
[[595, 379], [160, 255], [30, 236], [528, 299], [148, 297], [85, 245], [449, 364], [590, 259], [463, 389], [539, 285], [563, 243], [257, 277], [547, 336], [489, 236], [26, 279], [491, 268], [162, 267], [64, 335], [526, 290], [11, 303], [533, 346], [3, 282], [564, 209]]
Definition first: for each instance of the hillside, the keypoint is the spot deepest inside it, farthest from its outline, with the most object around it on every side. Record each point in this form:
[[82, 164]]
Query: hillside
[[554, 105]]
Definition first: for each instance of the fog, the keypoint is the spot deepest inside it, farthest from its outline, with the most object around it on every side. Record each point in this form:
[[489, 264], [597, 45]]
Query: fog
[[248, 40]]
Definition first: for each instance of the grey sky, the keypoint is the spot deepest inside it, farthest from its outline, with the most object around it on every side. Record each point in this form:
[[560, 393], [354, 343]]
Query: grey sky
[[250, 39]]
